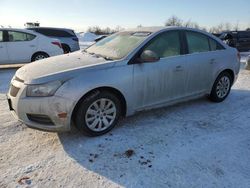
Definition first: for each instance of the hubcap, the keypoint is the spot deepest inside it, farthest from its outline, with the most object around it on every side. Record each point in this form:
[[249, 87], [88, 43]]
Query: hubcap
[[39, 57], [100, 115], [223, 87]]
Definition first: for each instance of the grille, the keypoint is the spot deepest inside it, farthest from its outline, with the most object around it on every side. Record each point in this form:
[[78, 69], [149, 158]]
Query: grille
[[41, 119], [13, 91]]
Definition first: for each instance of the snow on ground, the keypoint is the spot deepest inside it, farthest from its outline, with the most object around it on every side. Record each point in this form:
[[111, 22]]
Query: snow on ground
[[86, 39], [193, 144]]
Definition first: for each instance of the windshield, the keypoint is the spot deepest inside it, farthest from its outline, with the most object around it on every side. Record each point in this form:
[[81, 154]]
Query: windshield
[[118, 45]]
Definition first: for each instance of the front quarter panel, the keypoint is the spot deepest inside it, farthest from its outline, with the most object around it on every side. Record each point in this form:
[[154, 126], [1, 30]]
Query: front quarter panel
[[118, 77]]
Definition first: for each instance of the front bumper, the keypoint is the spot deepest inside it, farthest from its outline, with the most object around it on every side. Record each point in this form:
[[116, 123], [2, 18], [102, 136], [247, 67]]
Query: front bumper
[[58, 109]]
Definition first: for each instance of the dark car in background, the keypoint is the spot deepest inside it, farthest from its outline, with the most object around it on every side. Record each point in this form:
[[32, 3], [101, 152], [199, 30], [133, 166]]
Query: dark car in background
[[237, 39], [68, 38]]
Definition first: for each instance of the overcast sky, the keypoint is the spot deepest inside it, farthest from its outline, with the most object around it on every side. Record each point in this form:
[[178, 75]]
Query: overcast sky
[[80, 14]]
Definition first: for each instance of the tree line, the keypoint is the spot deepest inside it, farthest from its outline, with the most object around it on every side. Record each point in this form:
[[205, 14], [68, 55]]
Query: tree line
[[173, 21]]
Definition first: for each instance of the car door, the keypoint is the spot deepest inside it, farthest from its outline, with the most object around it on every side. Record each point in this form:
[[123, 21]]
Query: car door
[[21, 46], [158, 82], [4, 58], [200, 63], [243, 41]]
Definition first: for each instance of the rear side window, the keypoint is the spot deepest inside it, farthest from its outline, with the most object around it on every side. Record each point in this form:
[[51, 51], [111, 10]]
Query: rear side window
[[244, 34], [15, 36], [54, 33], [214, 45], [166, 45], [197, 42], [1, 36]]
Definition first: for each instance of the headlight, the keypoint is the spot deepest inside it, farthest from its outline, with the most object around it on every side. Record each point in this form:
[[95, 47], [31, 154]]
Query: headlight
[[43, 90]]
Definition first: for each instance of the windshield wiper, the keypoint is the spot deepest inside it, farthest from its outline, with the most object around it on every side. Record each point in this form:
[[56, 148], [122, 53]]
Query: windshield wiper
[[99, 55], [104, 57]]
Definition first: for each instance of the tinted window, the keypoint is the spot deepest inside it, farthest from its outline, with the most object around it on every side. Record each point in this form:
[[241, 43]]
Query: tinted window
[[166, 45], [214, 45], [197, 42], [244, 34], [19, 36], [1, 36], [54, 32]]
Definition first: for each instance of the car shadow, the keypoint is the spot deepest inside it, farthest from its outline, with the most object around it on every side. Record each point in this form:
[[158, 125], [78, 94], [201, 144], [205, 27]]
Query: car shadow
[[152, 148]]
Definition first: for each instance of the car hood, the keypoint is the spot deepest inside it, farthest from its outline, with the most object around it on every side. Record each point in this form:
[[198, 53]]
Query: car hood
[[60, 67]]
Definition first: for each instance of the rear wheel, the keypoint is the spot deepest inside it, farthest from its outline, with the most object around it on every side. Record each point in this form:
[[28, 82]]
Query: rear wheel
[[221, 87], [98, 113], [66, 48], [39, 56]]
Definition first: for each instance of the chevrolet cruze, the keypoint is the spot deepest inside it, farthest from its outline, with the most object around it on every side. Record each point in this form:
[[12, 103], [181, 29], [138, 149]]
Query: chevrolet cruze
[[120, 75]]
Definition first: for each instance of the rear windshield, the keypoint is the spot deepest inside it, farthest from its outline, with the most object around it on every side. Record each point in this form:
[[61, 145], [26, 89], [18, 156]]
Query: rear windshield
[[54, 32]]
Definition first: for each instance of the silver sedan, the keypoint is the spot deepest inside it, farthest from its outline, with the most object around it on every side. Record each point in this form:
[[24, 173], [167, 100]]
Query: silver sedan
[[120, 75]]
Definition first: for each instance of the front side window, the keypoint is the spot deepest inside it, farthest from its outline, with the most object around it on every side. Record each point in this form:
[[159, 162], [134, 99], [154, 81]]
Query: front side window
[[166, 44], [118, 45], [197, 42], [15, 36], [1, 36]]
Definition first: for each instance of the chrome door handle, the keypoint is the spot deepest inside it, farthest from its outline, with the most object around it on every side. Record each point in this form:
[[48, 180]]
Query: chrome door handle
[[178, 68], [32, 46], [212, 61]]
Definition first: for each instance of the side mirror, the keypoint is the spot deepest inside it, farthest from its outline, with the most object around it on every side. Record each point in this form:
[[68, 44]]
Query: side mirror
[[149, 56]]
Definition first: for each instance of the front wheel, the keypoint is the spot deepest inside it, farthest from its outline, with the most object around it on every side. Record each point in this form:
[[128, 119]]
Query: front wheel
[[221, 87], [98, 113]]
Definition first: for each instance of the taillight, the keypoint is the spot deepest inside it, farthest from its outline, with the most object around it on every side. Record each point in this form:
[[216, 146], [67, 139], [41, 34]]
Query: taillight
[[57, 44], [238, 55], [75, 39]]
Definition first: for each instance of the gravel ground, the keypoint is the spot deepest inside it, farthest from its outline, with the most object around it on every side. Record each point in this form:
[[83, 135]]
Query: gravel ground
[[193, 144]]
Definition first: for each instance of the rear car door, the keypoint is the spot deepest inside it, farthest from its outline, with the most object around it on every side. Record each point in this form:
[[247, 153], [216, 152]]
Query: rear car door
[[4, 58], [200, 63], [162, 81], [21, 46]]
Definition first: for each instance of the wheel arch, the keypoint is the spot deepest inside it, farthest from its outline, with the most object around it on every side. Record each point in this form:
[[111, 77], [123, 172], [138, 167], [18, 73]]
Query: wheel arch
[[64, 46], [230, 71], [38, 52], [100, 89]]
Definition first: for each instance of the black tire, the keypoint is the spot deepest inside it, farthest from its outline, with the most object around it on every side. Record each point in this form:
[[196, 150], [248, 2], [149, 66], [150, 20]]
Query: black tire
[[81, 113], [214, 96], [66, 48], [39, 56]]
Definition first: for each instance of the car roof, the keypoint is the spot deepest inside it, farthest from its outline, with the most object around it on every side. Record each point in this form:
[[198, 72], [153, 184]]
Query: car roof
[[15, 29], [156, 29], [65, 29]]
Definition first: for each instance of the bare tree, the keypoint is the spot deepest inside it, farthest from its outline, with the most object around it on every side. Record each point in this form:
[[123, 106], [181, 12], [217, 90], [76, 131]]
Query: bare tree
[[236, 26], [174, 21], [221, 28]]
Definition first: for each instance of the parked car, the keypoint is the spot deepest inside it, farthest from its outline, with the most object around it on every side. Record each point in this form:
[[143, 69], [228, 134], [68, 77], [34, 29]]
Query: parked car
[[68, 38], [23, 46], [237, 39], [120, 75]]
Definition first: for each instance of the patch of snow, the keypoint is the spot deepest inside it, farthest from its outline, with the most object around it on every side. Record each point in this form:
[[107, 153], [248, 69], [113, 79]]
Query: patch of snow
[[86, 39], [193, 144]]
